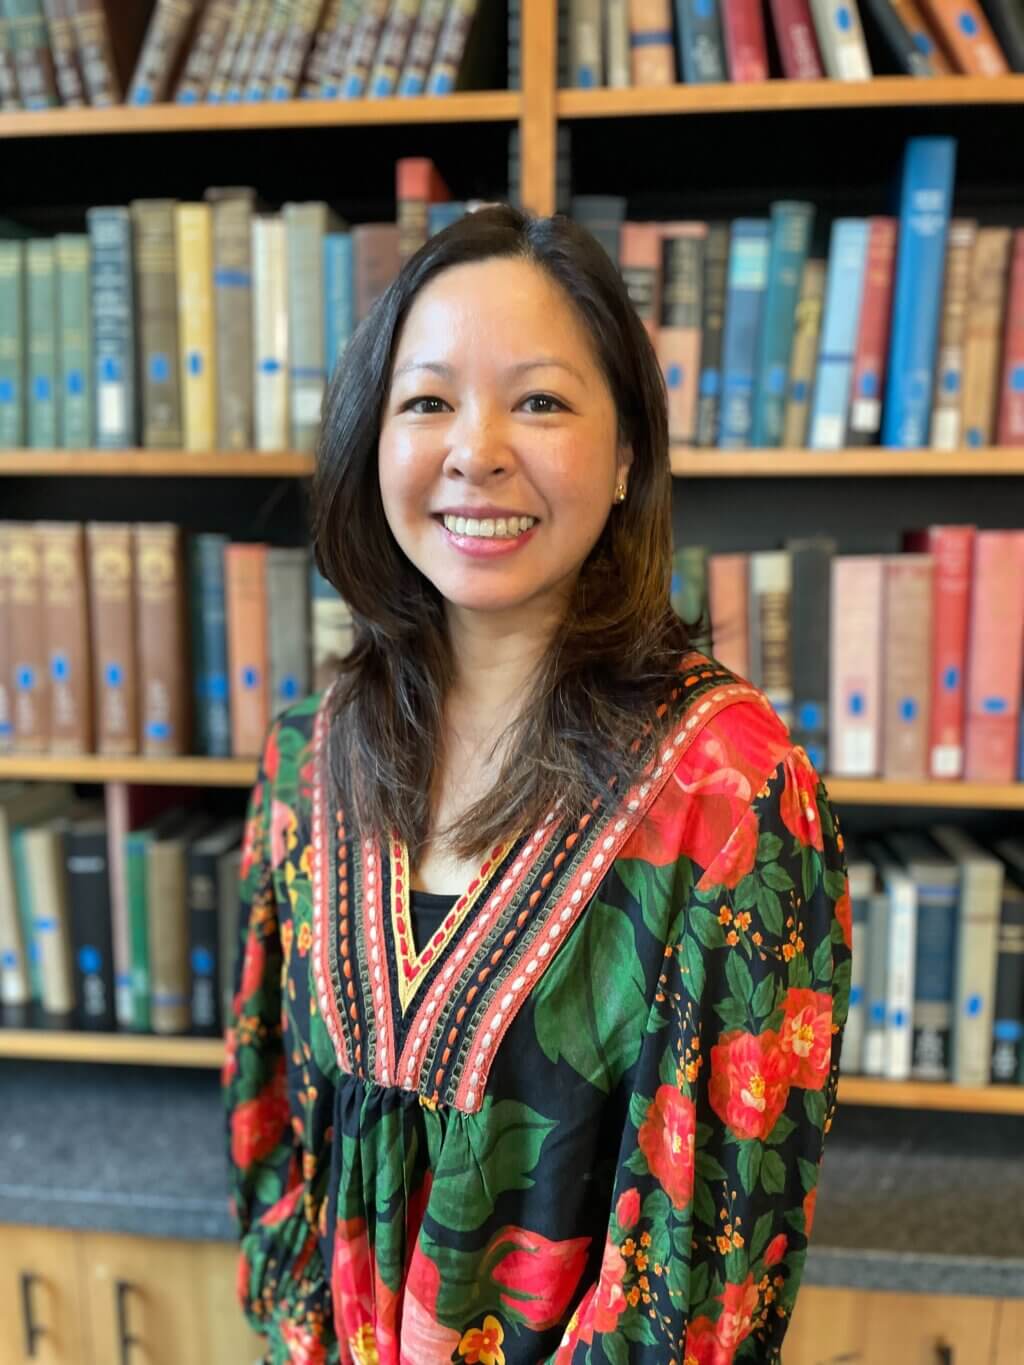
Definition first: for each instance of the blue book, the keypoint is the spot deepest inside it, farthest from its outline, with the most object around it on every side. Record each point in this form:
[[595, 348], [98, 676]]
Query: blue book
[[339, 300], [791, 238], [746, 283], [926, 197], [844, 290], [113, 328], [699, 41], [443, 215], [209, 645]]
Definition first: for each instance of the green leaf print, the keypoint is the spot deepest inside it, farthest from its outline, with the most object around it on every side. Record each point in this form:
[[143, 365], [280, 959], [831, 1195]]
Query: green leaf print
[[637, 1163], [484, 1156], [614, 1348], [835, 885], [733, 1013], [638, 1107], [741, 983], [783, 1127], [763, 1001], [769, 907], [822, 965], [649, 886], [808, 1174], [599, 984], [703, 1204], [693, 963], [751, 1153], [269, 1184], [709, 1168], [656, 1207], [769, 846], [745, 895], [777, 877], [707, 928], [814, 1107], [762, 1232], [799, 972], [810, 870], [699, 1283], [841, 990], [773, 1173], [636, 1327]]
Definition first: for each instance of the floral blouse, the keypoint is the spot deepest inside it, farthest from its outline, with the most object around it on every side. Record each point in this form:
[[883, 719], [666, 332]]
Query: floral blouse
[[584, 1123]]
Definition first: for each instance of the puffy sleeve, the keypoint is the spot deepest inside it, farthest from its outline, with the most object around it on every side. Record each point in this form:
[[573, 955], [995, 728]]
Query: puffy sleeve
[[735, 1088], [281, 1285]]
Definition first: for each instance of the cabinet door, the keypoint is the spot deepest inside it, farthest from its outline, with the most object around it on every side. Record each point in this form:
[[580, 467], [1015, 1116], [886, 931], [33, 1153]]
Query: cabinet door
[[53, 1303], [1009, 1348], [227, 1338], [144, 1289], [859, 1328], [827, 1325]]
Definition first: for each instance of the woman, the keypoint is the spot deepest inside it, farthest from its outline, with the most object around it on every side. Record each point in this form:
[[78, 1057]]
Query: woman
[[546, 928]]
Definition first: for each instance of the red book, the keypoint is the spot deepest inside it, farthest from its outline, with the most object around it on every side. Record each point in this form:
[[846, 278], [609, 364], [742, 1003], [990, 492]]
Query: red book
[[873, 334], [798, 43], [1010, 431], [952, 549], [745, 47], [994, 657], [640, 263]]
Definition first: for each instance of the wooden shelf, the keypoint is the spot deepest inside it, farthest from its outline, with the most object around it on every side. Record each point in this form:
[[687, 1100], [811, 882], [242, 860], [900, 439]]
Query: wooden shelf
[[162, 463], [161, 772], [780, 95], [866, 463], [988, 1099], [500, 106], [862, 791], [124, 1048]]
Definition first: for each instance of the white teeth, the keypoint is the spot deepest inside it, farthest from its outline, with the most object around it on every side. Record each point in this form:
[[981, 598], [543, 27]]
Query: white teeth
[[460, 526], [472, 526], [501, 527], [488, 528]]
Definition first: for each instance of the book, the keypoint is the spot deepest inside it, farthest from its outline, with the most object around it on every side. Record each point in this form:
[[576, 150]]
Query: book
[[1010, 421], [339, 297], [13, 326], [713, 293], [746, 48], [844, 290], [46, 858], [700, 42], [233, 315], [26, 641], [65, 622], [26, 913], [375, 263], [165, 41], [9, 97], [747, 282], [1007, 1054], [288, 642], [295, 47], [678, 337], [43, 359], [137, 845], [306, 225], [265, 55], [113, 321], [210, 695], [907, 651], [771, 583], [876, 969], [452, 41], [74, 341], [855, 665], [791, 224], [88, 879], [797, 41], [586, 44], [872, 347], [156, 292], [112, 615], [270, 332], [368, 29], [220, 79], [332, 629], [245, 54], [245, 594], [926, 194], [811, 561], [983, 334], [30, 48], [902, 46], [947, 423], [689, 584], [994, 657], [167, 910], [162, 640], [861, 874], [422, 44], [201, 58], [602, 215], [967, 36], [204, 855], [67, 77], [1007, 20], [640, 263], [923, 36], [197, 343], [228, 925], [21, 805], [728, 608], [418, 184], [901, 962], [804, 354], [844, 51], [616, 42], [6, 653], [101, 74], [652, 55]]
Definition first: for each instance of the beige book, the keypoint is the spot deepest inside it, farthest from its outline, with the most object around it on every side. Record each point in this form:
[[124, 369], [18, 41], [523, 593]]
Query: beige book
[[112, 614], [162, 639], [803, 360], [990, 264], [232, 299], [946, 415], [168, 928], [193, 232], [26, 623], [907, 651], [6, 681], [66, 617], [21, 803], [616, 36], [47, 874], [270, 331]]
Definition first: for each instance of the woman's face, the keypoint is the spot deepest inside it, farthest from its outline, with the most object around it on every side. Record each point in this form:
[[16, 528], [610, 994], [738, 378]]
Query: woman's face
[[498, 455]]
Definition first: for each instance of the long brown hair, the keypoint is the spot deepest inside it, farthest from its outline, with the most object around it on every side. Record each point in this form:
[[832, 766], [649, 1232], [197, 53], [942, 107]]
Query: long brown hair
[[606, 672]]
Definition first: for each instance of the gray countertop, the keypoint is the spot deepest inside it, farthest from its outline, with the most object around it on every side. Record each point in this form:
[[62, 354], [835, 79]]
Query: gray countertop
[[928, 1203]]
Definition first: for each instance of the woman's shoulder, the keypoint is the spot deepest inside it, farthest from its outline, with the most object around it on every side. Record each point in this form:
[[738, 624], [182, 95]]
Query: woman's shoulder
[[721, 713], [288, 750]]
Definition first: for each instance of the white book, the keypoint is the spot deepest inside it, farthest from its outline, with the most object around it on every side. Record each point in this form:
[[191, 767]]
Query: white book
[[862, 885], [844, 52], [617, 43], [586, 44], [47, 869], [270, 331], [305, 228], [899, 1002], [855, 651], [876, 970]]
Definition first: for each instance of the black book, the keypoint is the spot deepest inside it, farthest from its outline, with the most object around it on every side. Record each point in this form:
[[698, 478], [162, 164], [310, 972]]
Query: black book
[[1008, 1014], [883, 23], [91, 942], [1007, 20], [716, 263], [204, 943], [809, 636]]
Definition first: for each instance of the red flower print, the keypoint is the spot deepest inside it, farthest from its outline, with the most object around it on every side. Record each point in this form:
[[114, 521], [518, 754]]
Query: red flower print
[[258, 1125], [749, 1082], [844, 914], [798, 804], [253, 966], [283, 821], [701, 1347], [775, 1250], [810, 1204], [251, 838], [627, 1210], [609, 1301], [538, 1277], [739, 1304], [805, 1037], [230, 1068], [737, 858], [243, 1273], [423, 1337], [271, 755], [666, 1138], [656, 840], [482, 1345], [303, 1347]]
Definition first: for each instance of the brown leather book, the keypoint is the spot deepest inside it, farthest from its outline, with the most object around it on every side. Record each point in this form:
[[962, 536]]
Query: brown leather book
[[907, 652], [221, 78], [162, 51], [156, 293], [375, 261], [314, 69], [335, 57], [232, 310], [264, 61], [640, 262], [294, 49], [204, 51], [103, 74], [33, 61], [256, 25], [947, 421], [418, 184], [162, 634], [727, 604], [66, 610], [62, 48], [27, 639], [245, 596], [984, 334], [9, 97], [6, 678], [167, 921], [112, 613]]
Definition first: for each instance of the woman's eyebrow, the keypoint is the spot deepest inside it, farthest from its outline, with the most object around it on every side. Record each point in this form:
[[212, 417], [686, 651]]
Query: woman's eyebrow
[[448, 372]]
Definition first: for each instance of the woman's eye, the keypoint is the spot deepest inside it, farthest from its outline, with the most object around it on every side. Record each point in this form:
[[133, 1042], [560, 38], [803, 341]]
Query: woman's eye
[[424, 406], [548, 404]]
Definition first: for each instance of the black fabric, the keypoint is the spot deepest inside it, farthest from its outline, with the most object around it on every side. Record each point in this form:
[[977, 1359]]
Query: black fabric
[[428, 910]]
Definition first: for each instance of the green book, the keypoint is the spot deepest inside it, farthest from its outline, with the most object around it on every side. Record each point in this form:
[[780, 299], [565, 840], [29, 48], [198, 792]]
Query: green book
[[43, 407], [12, 344], [136, 844], [74, 315]]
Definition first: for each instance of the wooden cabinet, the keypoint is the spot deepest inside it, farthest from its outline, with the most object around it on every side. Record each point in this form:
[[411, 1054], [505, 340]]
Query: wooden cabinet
[[174, 1301]]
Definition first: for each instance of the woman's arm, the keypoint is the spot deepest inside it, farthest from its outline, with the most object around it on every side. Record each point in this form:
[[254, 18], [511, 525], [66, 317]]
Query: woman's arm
[[735, 1089]]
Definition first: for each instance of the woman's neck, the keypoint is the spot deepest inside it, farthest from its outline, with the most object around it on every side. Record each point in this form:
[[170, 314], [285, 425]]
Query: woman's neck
[[495, 663]]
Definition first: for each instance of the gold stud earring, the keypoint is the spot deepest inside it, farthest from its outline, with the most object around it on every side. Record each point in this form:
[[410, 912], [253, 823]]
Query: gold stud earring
[[620, 492]]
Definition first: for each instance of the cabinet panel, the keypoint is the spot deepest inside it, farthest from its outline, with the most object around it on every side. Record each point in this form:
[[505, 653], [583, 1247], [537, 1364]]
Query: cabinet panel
[[158, 1307], [54, 1299], [860, 1328], [227, 1337], [1009, 1348]]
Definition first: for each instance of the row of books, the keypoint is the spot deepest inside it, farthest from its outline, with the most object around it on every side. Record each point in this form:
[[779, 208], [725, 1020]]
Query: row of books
[[910, 334], [618, 43], [122, 639], [120, 913], [904, 666], [937, 985], [201, 326], [72, 52]]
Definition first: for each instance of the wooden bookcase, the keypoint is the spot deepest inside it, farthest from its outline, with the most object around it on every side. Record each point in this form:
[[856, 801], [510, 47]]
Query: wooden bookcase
[[122, 140]]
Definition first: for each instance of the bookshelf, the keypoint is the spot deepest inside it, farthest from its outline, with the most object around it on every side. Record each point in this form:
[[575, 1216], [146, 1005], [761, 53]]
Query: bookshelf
[[539, 110]]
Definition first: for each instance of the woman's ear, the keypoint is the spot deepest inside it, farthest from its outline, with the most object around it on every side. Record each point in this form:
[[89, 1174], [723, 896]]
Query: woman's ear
[[625, 461]]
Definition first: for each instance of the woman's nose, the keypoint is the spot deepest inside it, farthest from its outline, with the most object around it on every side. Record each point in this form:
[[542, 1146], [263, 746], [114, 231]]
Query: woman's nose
[[479, 447]]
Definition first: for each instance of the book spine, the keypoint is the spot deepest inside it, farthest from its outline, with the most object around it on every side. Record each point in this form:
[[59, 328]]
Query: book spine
[[288, 642], [1007, 22], [852, 1055], [983, 334], [30, 46], [952, 549], [92, 949], [900, 985], [791, 235], [62, 49], [872, 346], [855, 651], [700, 41], [160, 613], [771, 587], [994, 657], [364, 48], [45, 856], [233, 321], [209, 644], [95, 53], [798, 42], [947, 423], [977, 954], [116, 809], [678, 343], [66, 626], [810, 626], [12, 345], [204, 945], [907, 652], [332, 629], [312, 76], [165, 37], [241, 17], [43, 407], [640, 263], [925, 199], [31, 709], [113, 322], [6, 654], [689, 583], [16, 989], [932, 1049], [746, 49], [248, 46], [305, 228], [167, 913], [652, 55], [245, 590], [202, 56], [922, 35], [136, 845], [901, 46], [747, 282], [228, 866], [375, 262], [112, 614], [616, 39], [968, 37], [270, 332], [294, 49], [422, 46], [264, 61], [844, 290], [197, 341], [803, 355], [1010, 428], [451, 44], [156, 288], [9, 97], [1007, 1053], [74, 327], [339, 308], [841, 40], [876, 972], [728, 608], [586, 44], [413, 180]]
